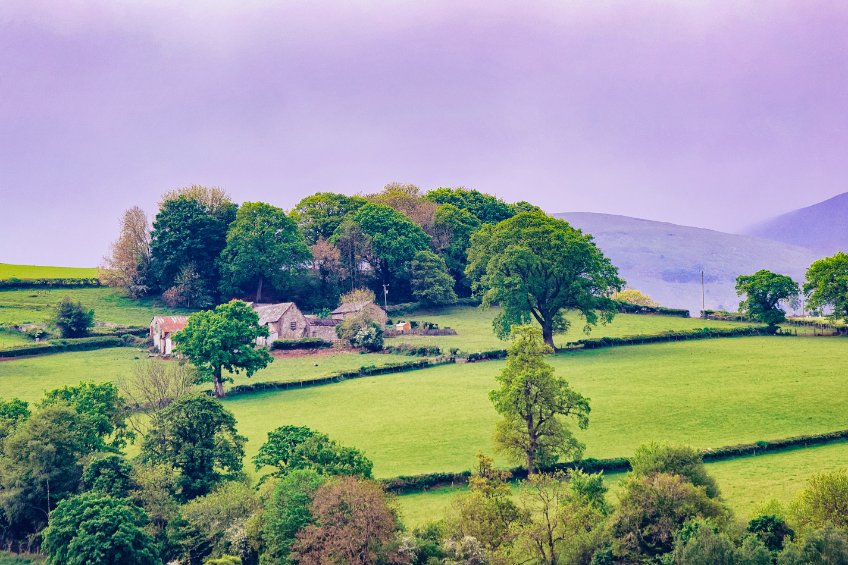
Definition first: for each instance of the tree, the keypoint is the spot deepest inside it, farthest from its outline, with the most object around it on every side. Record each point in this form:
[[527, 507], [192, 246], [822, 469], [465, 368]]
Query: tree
[[318, 216], [353, 525], [772, 530], [431, 283], [824, 501], [72, 319], [485, 207], [357, 295], [486, 512], [677, 460], [395, 240], [42, 464], [826, 545], [110, 475], [633, 296], [764, 291], [652, 509], [263, 244], [287, 512], [700, 542], [128, 262], [297, 447], [102, 406], [533, 403], [12, 413], [452, 230], [355, 249], [154, 384], [190, 290], [327, 268], [224, 338], [196, 436], [361, 331], [406, 199], [190, 230], [92, 528], [537, 267], [827, 285]]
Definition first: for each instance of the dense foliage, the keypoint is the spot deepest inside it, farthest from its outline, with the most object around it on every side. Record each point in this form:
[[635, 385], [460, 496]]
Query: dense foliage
[[764, 291], [72, 319]]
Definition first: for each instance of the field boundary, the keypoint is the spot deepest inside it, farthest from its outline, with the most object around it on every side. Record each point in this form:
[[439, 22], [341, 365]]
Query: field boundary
[[407, 484], [17, 284], [62, 346]]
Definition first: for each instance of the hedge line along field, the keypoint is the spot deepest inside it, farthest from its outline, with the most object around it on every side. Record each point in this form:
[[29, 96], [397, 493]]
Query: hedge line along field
[[8, 271], [746, 484], [474, 328], [33, 306], [28, 378], [707, 393]]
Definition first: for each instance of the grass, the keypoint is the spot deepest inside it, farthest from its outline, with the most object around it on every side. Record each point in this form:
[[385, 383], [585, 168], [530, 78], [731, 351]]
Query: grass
[[8, 271], [746, 483], [705, 394], [474, 328], [11, 339], [36, 306]]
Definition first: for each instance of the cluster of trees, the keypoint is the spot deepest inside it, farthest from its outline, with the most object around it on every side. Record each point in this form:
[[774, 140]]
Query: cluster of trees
[[767, 293], [203, 248]]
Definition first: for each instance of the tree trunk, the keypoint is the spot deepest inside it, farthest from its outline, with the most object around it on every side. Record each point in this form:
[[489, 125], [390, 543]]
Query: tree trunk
[[259, 290], [548, 333], [218, 383]]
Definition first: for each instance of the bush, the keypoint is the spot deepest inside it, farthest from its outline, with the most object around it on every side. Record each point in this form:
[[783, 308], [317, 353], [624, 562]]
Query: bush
[[416, 350], [72, 319], [304, 343], [62, 345], [15, 283], [361, 331], [629, 308]]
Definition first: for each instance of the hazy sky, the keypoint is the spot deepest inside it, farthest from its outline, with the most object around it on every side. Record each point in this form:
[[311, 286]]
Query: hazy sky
[[702, 113]]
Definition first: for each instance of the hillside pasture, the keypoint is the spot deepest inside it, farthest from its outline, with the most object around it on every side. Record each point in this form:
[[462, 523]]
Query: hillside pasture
[[9, 271], [474, 328], [707, 393]]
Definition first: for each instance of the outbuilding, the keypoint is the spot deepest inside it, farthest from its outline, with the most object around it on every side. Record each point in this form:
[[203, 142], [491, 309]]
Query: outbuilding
[[162, 329]]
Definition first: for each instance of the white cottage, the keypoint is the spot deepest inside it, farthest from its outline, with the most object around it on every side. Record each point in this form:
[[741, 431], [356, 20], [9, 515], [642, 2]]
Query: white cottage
[[162, 328]]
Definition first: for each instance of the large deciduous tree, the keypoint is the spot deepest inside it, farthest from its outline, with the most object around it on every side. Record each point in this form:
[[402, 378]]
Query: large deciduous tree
[[287, 512], [128, 262], [263, 244], [196, 436], [452, 229], [534, 404], [190, 232], [485, 207], [93, 528], [827, 285], [395, 240], [764, 292], [432, 285], [407, 199], [319, 215], [224, 338], [536, 268]]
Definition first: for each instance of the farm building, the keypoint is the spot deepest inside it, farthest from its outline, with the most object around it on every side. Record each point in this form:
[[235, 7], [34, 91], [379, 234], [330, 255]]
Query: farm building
[[323, 328], [284, 321], [162, 328], [352, 309]]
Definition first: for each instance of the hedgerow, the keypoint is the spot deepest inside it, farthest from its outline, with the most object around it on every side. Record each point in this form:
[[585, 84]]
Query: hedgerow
[[15, 283], [628, 308], [304, 343], [63, 345], [682, 335]]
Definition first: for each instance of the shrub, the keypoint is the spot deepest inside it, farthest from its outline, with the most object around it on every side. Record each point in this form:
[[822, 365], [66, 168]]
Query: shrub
[[61, 345], [361, 331], [72, 319], [16, 283], [304, 343]]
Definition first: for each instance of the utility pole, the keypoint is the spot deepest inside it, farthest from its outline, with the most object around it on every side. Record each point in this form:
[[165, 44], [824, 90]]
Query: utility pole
[[386, 297]]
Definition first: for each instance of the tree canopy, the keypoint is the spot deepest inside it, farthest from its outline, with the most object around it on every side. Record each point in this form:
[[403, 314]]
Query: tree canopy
[[537, 268], [534, 403], [827, 285], [224, 338], [432, 285], [486, 208], [319, 215], [72, 319], [263, 244], [764, 291]]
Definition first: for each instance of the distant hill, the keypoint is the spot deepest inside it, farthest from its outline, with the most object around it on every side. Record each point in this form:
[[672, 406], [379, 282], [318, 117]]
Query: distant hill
[[665, 260], [822, 227]]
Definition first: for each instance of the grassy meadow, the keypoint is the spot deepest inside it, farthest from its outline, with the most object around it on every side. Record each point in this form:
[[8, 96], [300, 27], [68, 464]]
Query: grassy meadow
[[474, 328], [8, 271]]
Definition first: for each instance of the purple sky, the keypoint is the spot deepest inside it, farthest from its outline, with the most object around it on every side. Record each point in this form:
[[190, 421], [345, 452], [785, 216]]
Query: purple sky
[[709, 114]]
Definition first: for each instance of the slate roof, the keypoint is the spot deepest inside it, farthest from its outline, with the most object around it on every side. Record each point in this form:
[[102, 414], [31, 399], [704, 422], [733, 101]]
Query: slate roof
[[349, 307], [323, 322], [269, 313]]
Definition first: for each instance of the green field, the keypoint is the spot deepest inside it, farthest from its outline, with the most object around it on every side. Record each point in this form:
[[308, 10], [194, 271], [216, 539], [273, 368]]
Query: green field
[[702, 393], [746, 483], [8, 271], [474, 328], [35, 306], [28, 378]]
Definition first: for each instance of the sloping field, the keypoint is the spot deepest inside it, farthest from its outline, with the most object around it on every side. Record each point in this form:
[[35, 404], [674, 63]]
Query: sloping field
[[8, 271]]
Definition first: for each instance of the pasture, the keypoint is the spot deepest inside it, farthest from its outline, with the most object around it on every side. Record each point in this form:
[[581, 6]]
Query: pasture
[[8, 271], [474, 328], [702, 393]]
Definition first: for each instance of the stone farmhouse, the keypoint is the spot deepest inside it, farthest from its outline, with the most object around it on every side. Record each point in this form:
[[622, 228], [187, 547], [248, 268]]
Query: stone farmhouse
[[323, 328], [284, 321], [162, 328], [352, 309]]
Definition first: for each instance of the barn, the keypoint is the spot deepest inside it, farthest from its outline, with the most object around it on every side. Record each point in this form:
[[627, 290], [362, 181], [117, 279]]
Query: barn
[[162, 329], [284, 321], [351, 309]]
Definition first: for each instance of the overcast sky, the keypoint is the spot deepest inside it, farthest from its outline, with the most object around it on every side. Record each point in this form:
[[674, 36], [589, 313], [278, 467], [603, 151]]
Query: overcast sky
[[708, 114]]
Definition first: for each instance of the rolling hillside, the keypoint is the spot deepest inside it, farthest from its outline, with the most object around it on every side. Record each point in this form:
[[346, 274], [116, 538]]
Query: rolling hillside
[[665, 260], [822, 227]]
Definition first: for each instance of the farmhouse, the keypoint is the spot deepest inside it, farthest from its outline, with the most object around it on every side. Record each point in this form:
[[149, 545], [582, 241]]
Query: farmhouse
[[352, 309], [162, 328], [284, 321]]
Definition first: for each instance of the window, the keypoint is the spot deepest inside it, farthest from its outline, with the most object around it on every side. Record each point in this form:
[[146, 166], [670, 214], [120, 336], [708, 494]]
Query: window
[[293, 325]]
